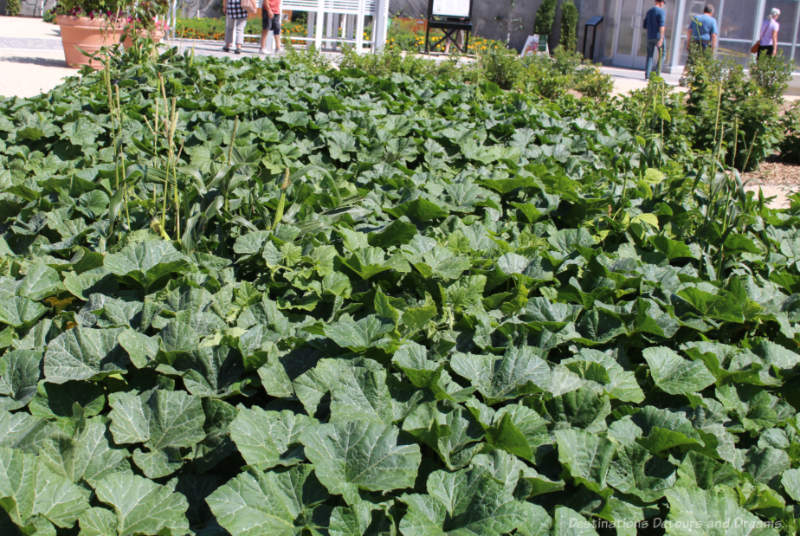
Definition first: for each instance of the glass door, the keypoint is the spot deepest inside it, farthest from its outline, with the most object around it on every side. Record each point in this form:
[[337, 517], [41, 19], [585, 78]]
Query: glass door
[[630, 39]]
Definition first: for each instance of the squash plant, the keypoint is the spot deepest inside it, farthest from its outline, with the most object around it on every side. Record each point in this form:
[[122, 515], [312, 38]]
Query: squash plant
[[477, 313]]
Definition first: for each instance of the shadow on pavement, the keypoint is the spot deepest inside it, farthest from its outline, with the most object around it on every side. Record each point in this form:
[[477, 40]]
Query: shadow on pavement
[[44, 62]]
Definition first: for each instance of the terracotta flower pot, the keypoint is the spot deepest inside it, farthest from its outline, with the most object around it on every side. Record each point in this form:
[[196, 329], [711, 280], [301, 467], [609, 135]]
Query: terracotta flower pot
[[89, 35]]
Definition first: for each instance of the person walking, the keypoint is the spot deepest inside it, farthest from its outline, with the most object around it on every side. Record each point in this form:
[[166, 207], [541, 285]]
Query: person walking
[[655, 23], [703, 31], [271, 22], [768, 44], [235, 21]]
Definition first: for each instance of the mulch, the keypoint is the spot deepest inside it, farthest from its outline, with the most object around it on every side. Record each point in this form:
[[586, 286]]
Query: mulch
[[773, 171]]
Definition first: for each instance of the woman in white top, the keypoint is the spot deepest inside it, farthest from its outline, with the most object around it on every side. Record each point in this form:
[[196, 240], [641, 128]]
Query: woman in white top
[[768, 43]]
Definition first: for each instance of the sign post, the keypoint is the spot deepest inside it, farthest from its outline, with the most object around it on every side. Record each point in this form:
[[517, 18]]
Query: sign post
[[452, 16]]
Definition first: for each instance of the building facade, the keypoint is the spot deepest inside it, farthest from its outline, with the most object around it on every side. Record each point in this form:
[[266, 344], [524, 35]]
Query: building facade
[[624, 42], [620, 38]]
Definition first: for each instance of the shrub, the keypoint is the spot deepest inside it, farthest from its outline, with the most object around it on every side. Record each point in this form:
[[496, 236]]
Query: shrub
[[12, 8], [501, 66], [735, 113], [790, 147], [550, 77], [392, 60], [569, 25], [592, 83], [545, 15], [772, 74]]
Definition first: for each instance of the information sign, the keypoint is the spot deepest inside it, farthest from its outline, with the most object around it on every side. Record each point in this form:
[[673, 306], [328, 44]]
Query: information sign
[[451, 8]]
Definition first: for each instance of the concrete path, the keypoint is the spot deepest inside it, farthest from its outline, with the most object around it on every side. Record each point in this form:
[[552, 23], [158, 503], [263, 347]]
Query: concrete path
[[31, 57]]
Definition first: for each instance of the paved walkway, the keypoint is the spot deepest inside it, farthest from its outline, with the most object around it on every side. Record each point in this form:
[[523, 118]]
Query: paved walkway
[[31, 57]]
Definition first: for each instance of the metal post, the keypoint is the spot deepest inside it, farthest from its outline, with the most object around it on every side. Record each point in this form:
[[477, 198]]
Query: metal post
[[796, 28], [360, 26], [380, 19], [759, 18], [319, 22], [677, 38]]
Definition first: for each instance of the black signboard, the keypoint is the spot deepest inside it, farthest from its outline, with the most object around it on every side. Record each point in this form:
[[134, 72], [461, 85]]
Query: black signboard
[[452, 16]]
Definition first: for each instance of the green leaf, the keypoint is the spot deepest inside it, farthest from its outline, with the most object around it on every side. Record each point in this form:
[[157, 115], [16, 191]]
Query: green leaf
[[98, 522], [618, 383], [358, 390], [141, 349], [412, 359], [39, 282], [18, 311], [673, 249], [142, 506], [352, 520], [19, 374], [766, 463], [695, 512], [470, 503], [665, 429], [398, 232], [86, 455], [519, 430], [357, 335], [349, 456], [454, 435], [510, 471], [29, 489], [265, 437], [257, 504], [586, 457], [147, 262], [520, 371], [635, 471], [568, 522], [157, 463], [419, 210], [724, 306], [791, 483], [159, 419], [675, 375], [84, 354]]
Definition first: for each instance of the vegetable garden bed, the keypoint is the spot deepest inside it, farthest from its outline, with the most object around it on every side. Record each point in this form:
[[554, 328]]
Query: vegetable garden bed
[[265, 297]]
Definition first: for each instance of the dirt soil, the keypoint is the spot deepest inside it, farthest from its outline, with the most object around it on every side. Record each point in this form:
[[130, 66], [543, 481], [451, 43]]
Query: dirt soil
[[776, 179]]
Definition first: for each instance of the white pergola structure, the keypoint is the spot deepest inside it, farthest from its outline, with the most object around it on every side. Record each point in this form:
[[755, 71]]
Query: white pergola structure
[[333, 23], [339, 22]]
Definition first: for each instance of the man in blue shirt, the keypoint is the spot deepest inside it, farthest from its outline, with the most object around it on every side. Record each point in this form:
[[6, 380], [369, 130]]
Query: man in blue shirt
[[703, 31], [655, 23]]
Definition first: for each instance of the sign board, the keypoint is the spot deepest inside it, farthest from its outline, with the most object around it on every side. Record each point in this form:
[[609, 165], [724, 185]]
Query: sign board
[[534, 44], [451, 8]]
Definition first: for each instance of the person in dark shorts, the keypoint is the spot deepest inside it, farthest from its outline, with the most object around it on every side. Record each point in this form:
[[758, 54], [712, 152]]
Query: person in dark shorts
[[768, 42], [271, 22]]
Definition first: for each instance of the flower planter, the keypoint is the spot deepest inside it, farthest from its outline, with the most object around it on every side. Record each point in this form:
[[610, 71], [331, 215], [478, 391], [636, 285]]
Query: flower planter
[[89, 35]]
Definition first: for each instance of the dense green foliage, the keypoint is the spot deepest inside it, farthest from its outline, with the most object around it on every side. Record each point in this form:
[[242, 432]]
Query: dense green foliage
[[569, 25], [790, 148], [539, 75], [736, 114], [276, 298], [12, 7], [545, 17]]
